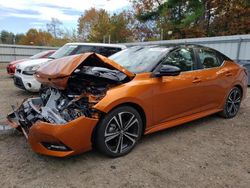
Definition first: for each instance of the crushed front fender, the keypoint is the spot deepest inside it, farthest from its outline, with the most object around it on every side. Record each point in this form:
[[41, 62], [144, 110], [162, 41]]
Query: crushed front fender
[[58, 140]]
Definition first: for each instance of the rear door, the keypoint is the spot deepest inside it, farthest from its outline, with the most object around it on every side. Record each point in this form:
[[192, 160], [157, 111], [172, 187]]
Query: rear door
[[215, 78]]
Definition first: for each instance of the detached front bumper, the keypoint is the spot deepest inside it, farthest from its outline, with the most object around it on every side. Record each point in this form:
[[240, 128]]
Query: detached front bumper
[[58, 140]]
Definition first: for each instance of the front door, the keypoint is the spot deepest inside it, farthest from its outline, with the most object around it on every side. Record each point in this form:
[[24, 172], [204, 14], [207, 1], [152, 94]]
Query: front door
[[177, 96]]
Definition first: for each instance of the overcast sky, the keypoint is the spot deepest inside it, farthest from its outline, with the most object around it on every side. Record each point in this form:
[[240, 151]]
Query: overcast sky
[[20, 15]]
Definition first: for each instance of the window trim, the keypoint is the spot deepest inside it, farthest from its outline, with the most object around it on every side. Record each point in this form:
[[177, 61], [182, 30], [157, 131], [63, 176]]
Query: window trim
[[158, 66], [218, 56]]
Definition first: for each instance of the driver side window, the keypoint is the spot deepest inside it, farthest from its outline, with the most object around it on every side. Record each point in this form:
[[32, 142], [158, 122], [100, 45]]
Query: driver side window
[[182, 58]]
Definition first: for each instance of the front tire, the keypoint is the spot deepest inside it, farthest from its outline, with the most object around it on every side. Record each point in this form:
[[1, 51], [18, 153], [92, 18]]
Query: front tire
[[119, 131], [232, 104]]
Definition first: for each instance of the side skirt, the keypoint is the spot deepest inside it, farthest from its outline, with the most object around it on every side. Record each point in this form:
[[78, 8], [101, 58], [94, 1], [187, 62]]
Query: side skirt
[[179, 121]]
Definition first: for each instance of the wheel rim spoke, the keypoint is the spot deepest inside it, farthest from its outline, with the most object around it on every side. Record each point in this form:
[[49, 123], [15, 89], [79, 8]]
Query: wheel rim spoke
[[131, 135], [117, 122], [238, 100], [130, 124], [230, 108], [120, 120], [231, 96], [234, 109], [121, 144], [118, 144], [130, 138], [111, 136]]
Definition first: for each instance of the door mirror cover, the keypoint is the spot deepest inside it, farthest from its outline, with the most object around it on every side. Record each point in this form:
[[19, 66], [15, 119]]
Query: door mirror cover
[[168, 70]]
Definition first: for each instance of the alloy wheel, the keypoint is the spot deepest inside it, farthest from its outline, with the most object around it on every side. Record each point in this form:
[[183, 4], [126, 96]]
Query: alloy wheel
[[122, 132], [233, 102]]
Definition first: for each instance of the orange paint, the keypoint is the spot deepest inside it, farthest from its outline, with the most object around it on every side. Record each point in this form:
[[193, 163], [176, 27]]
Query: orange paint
[[166, 101]]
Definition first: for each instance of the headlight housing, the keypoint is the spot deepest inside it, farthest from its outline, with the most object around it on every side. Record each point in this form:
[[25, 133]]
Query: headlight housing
[[30, 70]]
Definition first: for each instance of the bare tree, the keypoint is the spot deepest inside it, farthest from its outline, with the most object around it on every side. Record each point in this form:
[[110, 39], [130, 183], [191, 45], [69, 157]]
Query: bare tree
[[54, 27]]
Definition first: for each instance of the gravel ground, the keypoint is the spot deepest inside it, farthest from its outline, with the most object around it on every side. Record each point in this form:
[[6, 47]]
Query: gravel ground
[[210, 152]]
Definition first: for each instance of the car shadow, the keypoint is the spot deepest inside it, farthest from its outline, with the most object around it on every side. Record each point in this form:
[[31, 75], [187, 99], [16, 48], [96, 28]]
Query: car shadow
[[145, 139]]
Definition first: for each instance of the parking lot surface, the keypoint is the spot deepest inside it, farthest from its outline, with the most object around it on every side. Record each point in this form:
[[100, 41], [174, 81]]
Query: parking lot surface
[[210, 152]]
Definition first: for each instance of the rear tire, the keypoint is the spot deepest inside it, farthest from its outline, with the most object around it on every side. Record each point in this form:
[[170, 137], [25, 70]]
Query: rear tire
[[232, 104], [119, 131]]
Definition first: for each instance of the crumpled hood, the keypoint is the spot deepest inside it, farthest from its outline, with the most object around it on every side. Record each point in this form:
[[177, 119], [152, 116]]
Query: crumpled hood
[[59, 70]]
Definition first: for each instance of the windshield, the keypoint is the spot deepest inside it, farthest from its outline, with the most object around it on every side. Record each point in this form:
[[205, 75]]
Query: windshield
[[140, 59], [66, 50]]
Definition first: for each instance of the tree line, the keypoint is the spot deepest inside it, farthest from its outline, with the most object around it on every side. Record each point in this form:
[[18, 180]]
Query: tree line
[[53, 36], [148, 20], [195, 18]]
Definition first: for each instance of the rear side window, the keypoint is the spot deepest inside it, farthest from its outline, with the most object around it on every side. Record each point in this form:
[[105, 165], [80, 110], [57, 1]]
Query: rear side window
[[84, 49], [105, 51], [108, 51], [182, 58], [209, 58]]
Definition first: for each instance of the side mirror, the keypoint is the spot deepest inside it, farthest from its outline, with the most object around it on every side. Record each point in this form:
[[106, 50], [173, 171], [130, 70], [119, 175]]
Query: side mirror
[[168, 70]]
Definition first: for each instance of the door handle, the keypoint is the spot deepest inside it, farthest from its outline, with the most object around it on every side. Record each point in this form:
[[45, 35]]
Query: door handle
[[196, 80]]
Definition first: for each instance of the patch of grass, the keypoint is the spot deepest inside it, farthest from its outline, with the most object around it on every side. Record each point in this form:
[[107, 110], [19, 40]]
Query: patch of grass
[[3, 65]]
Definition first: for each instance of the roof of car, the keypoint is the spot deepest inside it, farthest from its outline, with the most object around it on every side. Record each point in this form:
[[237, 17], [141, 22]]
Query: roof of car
[[99, 44], [175, 46], [171, 45]]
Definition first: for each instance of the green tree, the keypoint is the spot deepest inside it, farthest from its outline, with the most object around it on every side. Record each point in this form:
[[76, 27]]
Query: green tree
[[42, 38], [177, 16], [231, 17], [101, 30], [99, 26], [36, 37], [18, 38], [195, 18], [121, 30], [86, 23], [7, 37]]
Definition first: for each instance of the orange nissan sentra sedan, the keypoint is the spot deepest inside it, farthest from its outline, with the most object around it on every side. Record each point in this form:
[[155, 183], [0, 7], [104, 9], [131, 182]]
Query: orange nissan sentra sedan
[[89, 100]]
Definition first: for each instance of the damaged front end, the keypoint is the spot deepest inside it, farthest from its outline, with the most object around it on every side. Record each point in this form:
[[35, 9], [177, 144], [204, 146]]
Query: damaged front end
[[62, 114], [55, 107]]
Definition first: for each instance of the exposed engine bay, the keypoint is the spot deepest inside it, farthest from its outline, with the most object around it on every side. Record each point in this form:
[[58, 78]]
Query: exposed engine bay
[[86, 87]]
